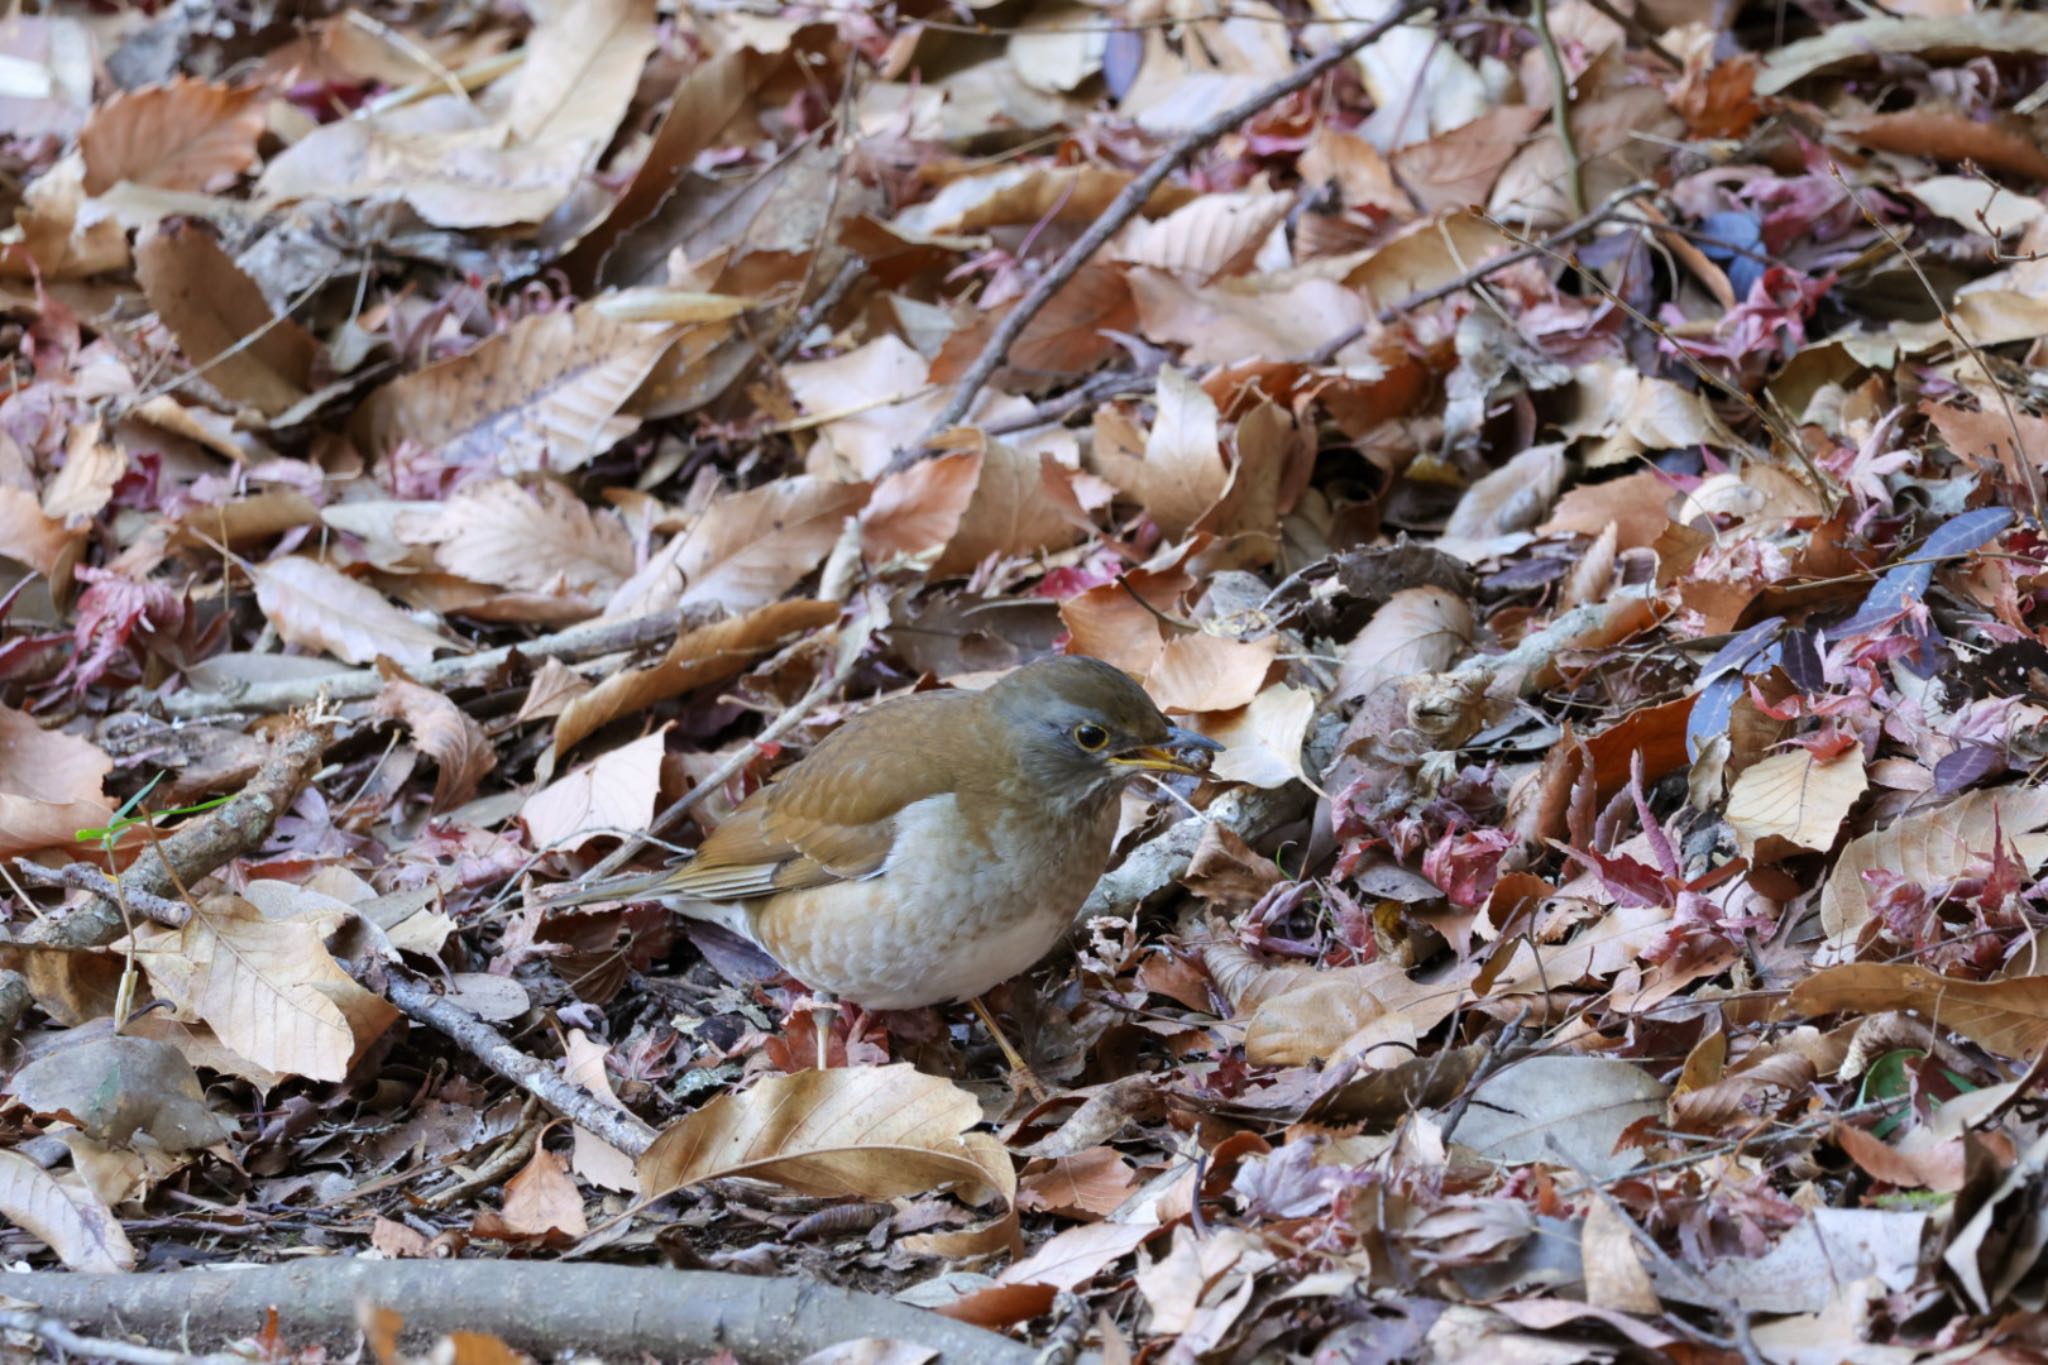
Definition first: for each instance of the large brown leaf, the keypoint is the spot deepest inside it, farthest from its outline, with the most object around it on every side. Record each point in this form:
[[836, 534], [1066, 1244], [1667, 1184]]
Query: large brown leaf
[[461, 751], [699, 657], [319, 608], [745, 550], [222, 321], [2008, 1017], [268, 987], [67, 1216], [865, 1132], [1181, 473], [582, 64], [1932, 848], [50, 785], [1795, 798], [187, 135], [546, 394]]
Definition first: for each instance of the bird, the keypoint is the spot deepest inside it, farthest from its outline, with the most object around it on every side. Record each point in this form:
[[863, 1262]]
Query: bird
[[936, 844]]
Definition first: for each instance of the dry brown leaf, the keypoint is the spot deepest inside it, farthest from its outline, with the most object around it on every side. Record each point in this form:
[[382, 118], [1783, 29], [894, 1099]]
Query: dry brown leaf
[[316, 607], [92, 466], [1071, 335], [1932, 848], [1377, 1013], [1991, 437], [1181, 473], [50, 785], [541, 1202], [745, 551], [1094, 1181], [1497, 512], [1794, 797], [2008, 1017], [461, 751], [1203, 672], [1077, 1255], [1615, 1277], [1426, 255], [915, 512], [1741, 1097], [594, 1159], [67, 1218], [2004, 143], [1244, 318], [1016, 510], [268, 987], [582, 64], [1262, 743], [1631, 506], [862, 1132], [546, 395], [1217, 234], [1581, 1104], [1356, 168], [1416, 631], [33, 537], [541, 538], [113, 1087], [464, 176], [222, 321], [1456, 170], [706, 655], [613, 795], [1613, 133], [188, 135], [2000, 32]]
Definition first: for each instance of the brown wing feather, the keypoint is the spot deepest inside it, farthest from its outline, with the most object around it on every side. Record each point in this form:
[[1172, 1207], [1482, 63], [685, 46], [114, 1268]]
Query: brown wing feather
[[831, 817]]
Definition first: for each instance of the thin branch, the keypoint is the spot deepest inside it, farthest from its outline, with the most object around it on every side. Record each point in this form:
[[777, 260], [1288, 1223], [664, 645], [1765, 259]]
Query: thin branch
[[580, 642], [1124, 208], [1560, 104], [1327, 352], [57, 1334]]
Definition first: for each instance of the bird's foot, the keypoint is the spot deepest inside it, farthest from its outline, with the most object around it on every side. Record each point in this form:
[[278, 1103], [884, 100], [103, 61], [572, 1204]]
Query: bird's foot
[[1022, 1077]]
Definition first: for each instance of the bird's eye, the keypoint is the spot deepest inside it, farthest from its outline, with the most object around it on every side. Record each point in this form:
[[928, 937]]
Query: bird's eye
[[1090, 737]]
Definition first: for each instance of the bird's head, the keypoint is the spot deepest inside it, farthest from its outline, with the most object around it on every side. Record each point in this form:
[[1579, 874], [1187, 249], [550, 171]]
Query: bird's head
[[1082, 728]]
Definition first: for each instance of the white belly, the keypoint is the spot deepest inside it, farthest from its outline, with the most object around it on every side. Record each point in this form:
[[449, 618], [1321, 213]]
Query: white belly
[[926, 930]]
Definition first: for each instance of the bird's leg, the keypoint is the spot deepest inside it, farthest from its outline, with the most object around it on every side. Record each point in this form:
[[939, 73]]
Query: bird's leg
[[1020, 1070], [826, 1010]]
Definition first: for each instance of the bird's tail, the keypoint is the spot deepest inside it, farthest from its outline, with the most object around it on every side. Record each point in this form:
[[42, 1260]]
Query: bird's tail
[[634, 886]]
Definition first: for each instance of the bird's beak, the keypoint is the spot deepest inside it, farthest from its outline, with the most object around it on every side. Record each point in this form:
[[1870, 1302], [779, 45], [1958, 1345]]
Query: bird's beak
[[1161, 758]]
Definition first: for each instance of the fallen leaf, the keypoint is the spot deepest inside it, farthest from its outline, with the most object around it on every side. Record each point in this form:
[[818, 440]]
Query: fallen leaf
[[222, 321], [1457, 169], [1932, 848], [1794, 797], [546, 395], [1377, 1013], [745, 551], [1581, 1103], [915, 512], [541, 1202], [1633, 506], [114, 1087], [1075, 1256], [461, 751], [540, 538], [612, 795], [67, 1218], [1262, 743], [1496, 513], [317, 608], [1214, 235], [865, 1132], [1417, 630], [582, 64], [50, 785], [1015, 510], [1865, 40], [84, 486], [699, 657], [1094, 1181], [2008, 1017], [594, 1159], [1203, 672], [1615, 1277], [1181, 474], [268, 987], [188, 135]]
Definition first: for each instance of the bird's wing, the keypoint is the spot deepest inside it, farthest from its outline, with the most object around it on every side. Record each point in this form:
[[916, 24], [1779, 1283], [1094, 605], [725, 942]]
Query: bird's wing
[[832, 816]]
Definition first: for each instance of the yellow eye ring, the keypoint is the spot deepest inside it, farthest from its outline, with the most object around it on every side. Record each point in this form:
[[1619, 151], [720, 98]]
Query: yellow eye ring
[[1091, 737]]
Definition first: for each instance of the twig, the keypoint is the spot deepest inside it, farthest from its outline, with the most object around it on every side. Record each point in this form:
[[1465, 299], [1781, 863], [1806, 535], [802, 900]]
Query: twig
[[818, 309], [512, 1153], [86, 877], [538, 1078], [580, 642], [1327, 352], [57, 1334], [543, 1307], [1560, 104], [1735, 1313], [1497, 1055], [1124, 208], [191, 851]]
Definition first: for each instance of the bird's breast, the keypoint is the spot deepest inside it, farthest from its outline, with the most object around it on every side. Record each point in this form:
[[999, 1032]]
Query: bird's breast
[[966, 900]]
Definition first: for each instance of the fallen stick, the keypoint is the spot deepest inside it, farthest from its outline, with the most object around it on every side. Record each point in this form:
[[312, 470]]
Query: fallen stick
[[1124, 208], [579, 642], [542, 1307], [191, 851], [60, 1335]]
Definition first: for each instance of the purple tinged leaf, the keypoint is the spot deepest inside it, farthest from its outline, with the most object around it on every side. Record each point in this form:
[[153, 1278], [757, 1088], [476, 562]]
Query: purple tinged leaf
[[1967, 766]]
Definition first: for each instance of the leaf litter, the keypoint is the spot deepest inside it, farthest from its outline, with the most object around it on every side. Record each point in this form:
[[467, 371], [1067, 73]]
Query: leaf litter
[[448, 456]]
